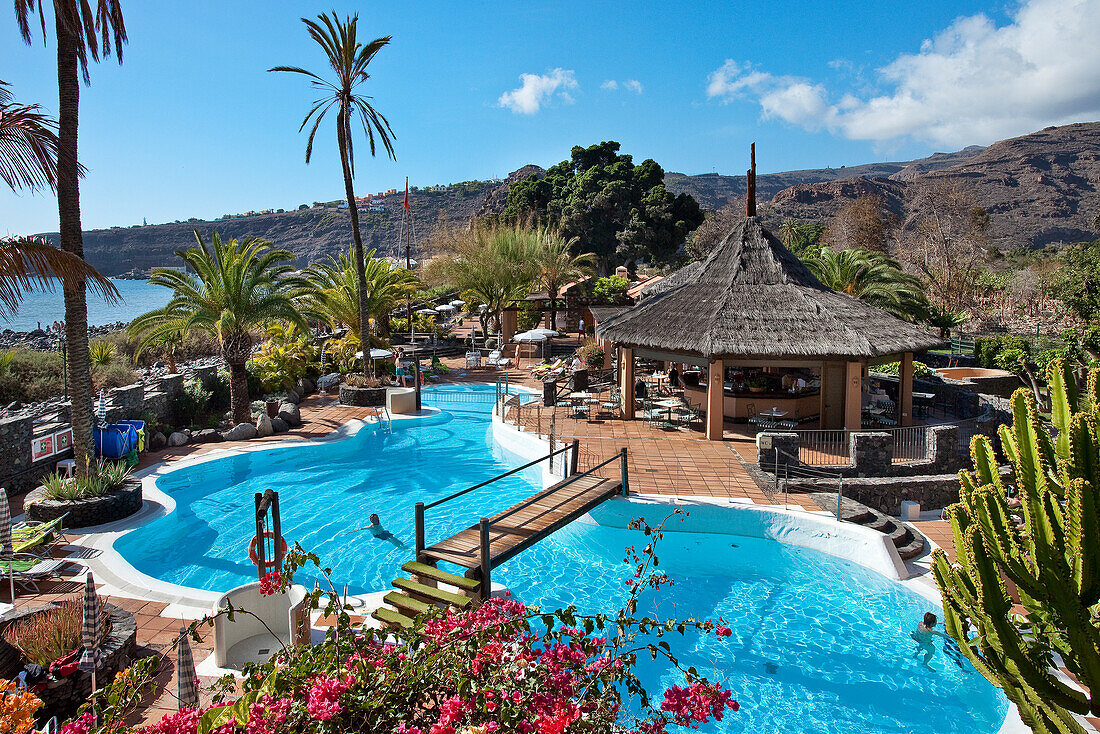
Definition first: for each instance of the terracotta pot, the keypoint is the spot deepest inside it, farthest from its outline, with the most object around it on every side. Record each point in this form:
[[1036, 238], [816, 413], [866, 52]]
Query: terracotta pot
[[272, 408]]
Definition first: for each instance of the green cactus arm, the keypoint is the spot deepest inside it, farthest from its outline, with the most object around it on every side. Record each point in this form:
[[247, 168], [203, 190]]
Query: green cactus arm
[[1063, 400], [1092, 391], [1083, 459], [1008, 443], [987, 470]]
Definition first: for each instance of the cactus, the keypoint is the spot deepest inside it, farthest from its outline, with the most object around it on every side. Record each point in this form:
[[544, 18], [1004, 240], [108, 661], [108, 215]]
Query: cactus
[[1047, 545]]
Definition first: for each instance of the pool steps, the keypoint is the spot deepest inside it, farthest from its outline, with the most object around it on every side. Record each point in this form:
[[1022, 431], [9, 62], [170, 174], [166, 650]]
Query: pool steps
[[418, 595]]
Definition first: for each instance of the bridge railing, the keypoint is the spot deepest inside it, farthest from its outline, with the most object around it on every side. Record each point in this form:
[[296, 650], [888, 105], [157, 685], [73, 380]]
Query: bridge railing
[[420, 507]]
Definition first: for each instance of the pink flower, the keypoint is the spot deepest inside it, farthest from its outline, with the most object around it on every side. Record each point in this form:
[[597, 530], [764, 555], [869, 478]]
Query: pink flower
[[269, 583], [723, 631], [324, 697], [697, 703], [80, 726]]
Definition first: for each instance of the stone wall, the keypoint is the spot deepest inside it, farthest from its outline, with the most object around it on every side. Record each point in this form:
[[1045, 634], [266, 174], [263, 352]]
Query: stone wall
[[886, 494], [82, 513], [18, 473]]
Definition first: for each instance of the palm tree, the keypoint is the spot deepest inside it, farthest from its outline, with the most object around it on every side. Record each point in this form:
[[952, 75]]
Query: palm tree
[[334, 290], [82, 29], [493, 262], [237, 287], [869, 276], [349, 60], [556, 265]]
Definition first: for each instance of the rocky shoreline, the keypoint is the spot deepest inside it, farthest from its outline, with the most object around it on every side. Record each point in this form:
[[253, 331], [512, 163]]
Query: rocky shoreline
[[40, 340]]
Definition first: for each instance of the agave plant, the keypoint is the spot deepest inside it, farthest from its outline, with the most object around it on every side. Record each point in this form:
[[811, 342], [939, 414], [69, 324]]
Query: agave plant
[[101, 354]]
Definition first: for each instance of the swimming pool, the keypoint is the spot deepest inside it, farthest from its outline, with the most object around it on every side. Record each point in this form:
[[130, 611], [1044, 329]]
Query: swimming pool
[[819, 644]]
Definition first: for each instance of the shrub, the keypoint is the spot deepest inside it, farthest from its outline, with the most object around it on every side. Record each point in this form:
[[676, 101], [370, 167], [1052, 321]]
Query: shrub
[[191, 406], [101, 353], [611, 289], [17, 708], [103, 476], [592, 355], [46, 636], [32, 376], [112, 376], [356, 379], [283, 358], [920, 369], [988, 350]]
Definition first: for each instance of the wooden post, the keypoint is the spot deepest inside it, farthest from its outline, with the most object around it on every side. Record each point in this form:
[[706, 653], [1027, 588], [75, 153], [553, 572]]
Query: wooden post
[[626, 480], [716, 404], [416, 378], [508, 322], [486, 561], [574, 455], [905, 390], [419, 509], [626, 362], [277, 528], [260, 549], [853, 396]]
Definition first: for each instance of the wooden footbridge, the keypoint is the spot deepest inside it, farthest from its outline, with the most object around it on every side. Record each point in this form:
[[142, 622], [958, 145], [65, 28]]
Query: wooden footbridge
[[494, 540]]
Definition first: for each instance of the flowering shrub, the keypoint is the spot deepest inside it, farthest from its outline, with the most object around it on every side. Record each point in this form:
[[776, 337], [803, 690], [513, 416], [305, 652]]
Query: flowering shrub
[[499, 667], [17, 709], [269, 583]]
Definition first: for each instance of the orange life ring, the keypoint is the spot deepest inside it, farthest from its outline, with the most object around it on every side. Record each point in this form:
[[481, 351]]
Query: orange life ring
[[269, 563]]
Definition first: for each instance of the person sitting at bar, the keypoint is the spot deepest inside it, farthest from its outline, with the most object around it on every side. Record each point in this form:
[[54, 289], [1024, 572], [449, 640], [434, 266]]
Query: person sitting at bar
[[673, 377]]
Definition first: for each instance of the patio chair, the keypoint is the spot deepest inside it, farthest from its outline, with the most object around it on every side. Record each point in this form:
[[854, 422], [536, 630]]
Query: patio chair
[[613, 402], [28, 569], [688, 414], [789, 423], [750, 412]]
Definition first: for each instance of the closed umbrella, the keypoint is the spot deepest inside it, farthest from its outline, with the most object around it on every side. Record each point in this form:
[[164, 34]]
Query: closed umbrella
[[185, 674], [101, 409], [92, 657], [6, 550]]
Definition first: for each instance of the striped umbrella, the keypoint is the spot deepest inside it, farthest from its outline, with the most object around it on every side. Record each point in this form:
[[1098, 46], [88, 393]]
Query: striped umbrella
[[6, 549], [101, 410], [92, 657], [185, 674]]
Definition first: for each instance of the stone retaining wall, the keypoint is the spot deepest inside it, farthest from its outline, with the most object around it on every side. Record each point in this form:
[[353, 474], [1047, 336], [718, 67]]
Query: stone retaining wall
[[115, 505], [886, 494]]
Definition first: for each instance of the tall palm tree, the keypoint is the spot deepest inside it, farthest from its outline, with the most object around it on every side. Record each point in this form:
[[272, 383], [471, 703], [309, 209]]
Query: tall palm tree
[[555, 264], [349, 60], [869, 276], [82, 29], [28, 159], [334, 290], [237, 287]]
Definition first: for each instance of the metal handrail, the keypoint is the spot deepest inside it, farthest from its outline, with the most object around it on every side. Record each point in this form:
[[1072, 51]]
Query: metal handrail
[[509, 473], [621, 456]]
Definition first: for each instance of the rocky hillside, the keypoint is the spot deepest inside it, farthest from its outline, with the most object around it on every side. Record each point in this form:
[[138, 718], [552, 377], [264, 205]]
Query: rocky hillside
[[1041, 188]]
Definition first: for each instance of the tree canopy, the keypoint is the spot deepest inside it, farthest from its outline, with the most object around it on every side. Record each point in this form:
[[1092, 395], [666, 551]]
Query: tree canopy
[[1077, 284], [618, 210]]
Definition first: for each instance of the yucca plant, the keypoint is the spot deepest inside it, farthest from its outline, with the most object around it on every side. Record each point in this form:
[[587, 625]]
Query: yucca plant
[[113, 473], [61, 488], [101, 354]]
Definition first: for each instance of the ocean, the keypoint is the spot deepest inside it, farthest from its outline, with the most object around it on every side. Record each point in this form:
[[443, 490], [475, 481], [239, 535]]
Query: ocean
[[45, 307]]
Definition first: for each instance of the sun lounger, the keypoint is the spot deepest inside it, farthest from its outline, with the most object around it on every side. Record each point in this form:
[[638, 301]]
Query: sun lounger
[[28, 569], [41, 535], [473, 360], [495, 360]]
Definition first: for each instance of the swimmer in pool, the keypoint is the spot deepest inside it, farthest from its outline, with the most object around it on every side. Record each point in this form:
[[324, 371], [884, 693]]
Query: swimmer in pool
[[925, 636], [381, 533]]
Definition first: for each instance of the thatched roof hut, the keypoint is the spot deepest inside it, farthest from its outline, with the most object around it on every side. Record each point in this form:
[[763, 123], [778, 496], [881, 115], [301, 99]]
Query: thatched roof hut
[[752, 298]]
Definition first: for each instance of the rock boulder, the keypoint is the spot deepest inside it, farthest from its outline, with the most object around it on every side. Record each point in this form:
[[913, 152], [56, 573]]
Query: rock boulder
[[179, 438], [240, 432], [264, 427]]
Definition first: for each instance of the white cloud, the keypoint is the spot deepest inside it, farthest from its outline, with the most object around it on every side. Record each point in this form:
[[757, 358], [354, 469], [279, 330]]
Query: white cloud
[[536, 90], [630, 85], [974, 82]]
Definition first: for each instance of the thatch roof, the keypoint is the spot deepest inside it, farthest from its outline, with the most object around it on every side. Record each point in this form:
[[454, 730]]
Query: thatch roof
[[752, 298], [603, 313]]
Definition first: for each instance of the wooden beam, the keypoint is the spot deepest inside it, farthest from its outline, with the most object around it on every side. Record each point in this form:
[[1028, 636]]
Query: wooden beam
[[626, 387], [905, 390], [853, 396], [716, 404]]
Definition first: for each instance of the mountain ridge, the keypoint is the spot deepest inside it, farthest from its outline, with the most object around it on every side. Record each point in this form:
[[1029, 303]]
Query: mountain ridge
[[1040, 188]]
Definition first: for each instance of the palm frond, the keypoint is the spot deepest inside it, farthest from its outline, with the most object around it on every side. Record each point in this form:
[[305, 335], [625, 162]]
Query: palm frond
[[29, 263], [28, 145]]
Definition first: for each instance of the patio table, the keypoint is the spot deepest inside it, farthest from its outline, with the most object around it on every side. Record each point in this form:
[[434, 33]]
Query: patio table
[[773, 413]]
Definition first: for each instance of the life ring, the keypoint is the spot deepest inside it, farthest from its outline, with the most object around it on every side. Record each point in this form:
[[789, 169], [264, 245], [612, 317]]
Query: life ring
[[268, 563]]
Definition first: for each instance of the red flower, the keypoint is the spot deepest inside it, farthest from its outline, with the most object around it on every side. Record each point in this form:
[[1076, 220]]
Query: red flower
[[269, 583], [723, 631]]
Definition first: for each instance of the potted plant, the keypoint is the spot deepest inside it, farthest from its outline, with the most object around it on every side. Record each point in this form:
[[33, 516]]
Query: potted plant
[[362, 392], [756, 383]]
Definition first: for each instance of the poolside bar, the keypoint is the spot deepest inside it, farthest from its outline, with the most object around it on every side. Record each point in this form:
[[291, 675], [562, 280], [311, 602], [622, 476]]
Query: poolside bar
[[752, 332]]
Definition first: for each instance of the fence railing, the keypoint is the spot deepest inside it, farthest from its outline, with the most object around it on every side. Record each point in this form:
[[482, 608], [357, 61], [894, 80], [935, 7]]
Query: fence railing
[[910, 444], [823, 447]]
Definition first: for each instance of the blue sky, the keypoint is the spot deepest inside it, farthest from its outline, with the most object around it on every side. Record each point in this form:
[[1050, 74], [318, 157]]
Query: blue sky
[[192, 125]]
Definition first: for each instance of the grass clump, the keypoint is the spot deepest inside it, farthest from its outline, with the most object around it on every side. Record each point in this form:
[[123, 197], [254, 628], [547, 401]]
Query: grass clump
[[49, 635]]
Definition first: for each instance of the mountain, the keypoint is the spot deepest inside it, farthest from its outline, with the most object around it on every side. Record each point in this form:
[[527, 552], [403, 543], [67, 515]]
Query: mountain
[[1040, 189]]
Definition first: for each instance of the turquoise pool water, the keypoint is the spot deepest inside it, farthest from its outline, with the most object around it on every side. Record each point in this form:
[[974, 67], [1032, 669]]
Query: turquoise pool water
[[818, 645]]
